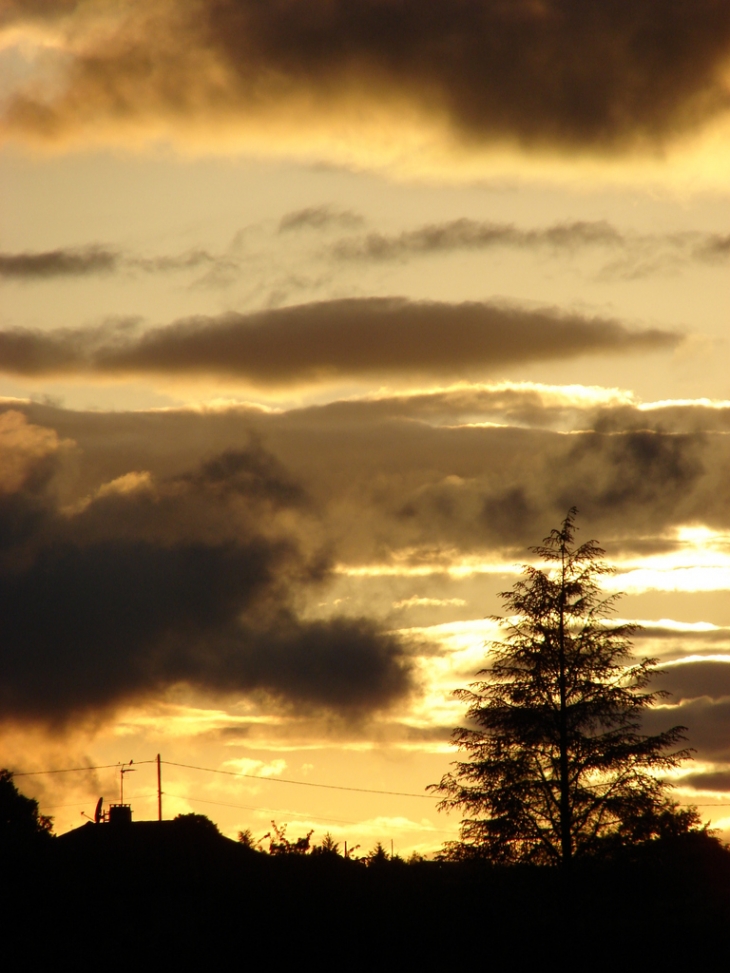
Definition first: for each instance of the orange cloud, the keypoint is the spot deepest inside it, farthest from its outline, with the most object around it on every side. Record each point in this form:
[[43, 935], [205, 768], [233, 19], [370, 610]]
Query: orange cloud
[[22, 445], [558, 74]]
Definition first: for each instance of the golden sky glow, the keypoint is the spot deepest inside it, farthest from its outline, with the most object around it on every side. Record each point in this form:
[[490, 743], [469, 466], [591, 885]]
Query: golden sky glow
[[306, 336]]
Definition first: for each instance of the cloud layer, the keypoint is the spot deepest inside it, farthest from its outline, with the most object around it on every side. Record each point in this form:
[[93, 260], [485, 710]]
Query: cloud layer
[[146, 584], [467, 470], [558, 73], [143, 550], [631, 254], [328, 340]]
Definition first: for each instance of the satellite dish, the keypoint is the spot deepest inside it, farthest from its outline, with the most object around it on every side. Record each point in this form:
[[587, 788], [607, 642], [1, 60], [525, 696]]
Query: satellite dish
[[98, 811]]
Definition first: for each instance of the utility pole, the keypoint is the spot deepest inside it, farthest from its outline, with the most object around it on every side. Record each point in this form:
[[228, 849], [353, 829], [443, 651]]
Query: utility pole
[[159, 788]]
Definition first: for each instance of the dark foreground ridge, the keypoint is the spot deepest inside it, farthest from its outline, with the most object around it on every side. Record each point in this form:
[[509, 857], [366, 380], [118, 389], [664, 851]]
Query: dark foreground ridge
[[180, 892]]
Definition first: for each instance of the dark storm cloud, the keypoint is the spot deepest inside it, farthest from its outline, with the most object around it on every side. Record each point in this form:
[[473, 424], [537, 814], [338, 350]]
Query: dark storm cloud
[[86, 628], [331, 339], [320, 218], [147, 584], [564, 73], [94, 259]]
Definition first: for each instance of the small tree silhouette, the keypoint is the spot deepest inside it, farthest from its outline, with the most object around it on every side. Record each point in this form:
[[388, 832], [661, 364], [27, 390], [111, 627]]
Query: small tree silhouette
[[378, 856], [20, 820], [328, 846], [279, 844], [196, 823], [556, 764]]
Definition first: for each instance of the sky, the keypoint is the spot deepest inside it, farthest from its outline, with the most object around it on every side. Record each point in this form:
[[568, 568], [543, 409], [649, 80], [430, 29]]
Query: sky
[[315, 317]]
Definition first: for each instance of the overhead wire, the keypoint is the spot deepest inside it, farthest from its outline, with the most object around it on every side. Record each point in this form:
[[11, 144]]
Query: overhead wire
[[302, 783], [261, 777], [231, 773], [279, 810], [56, 807], [71, 770], [252, 807]]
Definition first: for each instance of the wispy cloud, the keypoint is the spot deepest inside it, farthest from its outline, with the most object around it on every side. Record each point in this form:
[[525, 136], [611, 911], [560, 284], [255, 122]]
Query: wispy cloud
[[320, 218], [634, 255], [638, 255], [467, 234], [93, 259]]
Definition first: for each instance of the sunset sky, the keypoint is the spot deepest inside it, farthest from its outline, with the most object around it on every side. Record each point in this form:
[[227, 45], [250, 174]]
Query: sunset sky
[[316, 314]]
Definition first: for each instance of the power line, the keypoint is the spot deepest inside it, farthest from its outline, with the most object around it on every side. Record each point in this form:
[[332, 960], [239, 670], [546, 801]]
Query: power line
[[281, 810], [232, 773], [704, 805], [71, 770], [302, 783], [55, 807], [278, 780], [251, 807]]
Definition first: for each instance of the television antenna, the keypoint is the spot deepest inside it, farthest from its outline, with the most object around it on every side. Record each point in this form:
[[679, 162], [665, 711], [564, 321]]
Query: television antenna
[[124, 769]]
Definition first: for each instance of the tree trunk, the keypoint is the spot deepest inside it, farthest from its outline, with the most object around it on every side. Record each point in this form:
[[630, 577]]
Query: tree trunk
[[566, 839]]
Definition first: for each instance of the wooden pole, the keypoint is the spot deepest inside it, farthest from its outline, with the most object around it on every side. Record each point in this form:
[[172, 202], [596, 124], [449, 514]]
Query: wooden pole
[[159, 788]]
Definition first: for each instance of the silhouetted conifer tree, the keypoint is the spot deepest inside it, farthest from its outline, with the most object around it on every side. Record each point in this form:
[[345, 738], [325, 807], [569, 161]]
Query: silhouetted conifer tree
[[556, 764], [328, 846]]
